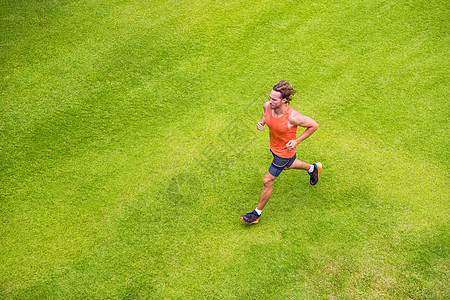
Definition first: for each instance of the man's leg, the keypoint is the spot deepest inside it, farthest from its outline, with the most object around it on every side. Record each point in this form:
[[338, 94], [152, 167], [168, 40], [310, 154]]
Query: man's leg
[[298, 164], [266, 192], [269, 178], [313, 170]]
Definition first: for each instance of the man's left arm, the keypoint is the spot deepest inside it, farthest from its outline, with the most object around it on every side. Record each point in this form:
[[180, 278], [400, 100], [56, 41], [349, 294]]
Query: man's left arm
[[298, 119]]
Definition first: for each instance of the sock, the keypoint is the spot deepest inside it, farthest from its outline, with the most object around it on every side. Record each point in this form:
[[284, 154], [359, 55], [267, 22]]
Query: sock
[[258, 211], [311, 169]]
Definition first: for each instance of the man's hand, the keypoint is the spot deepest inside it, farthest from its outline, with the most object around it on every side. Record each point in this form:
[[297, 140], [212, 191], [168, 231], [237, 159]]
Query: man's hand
[[260, 126], [292, 144]]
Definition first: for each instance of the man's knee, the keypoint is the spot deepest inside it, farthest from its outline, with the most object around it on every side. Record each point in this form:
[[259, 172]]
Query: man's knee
[[269, 180]]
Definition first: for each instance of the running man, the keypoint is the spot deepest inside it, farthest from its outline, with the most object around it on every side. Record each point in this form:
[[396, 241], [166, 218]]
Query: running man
[[283, 121]]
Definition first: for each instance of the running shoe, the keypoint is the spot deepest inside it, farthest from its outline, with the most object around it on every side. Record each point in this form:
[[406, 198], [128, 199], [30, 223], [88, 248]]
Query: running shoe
[[251, 218], [315, 174]]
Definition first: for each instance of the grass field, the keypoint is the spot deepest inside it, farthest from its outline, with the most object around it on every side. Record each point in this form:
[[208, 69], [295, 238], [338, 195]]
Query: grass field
[[129, 149]]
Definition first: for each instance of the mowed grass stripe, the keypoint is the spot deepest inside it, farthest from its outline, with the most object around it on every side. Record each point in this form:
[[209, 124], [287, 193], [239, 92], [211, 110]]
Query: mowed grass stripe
[[95, 75]]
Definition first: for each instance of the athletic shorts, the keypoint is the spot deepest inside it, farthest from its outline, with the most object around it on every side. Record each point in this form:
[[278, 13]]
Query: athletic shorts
[[279, 163]]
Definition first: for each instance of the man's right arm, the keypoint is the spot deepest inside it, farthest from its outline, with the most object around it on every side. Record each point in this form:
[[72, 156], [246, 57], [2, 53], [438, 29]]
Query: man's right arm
[[260, 125]]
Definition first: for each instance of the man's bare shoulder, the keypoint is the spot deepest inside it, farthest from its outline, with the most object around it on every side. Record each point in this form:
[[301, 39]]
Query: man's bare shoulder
[[295, 115], [266, 104], [297, 118]]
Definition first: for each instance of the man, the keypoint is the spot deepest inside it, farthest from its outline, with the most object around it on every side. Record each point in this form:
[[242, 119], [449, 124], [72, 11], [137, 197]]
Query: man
[[283, 121]]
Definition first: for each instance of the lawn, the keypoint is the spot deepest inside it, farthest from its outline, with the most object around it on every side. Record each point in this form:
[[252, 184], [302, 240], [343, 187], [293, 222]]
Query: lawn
[[129, 149]]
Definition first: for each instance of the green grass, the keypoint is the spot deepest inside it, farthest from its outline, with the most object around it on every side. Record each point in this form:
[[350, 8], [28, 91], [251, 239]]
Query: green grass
[[129, 149]]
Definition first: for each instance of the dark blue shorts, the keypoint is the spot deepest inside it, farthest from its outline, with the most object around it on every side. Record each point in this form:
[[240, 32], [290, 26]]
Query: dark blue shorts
[[279, 163]]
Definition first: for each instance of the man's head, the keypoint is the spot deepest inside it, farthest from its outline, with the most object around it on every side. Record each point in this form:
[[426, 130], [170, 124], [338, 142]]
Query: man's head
[[285, 89]]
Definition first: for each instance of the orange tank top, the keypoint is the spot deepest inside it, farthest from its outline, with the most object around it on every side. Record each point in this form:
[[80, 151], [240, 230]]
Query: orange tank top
[[280, 133]]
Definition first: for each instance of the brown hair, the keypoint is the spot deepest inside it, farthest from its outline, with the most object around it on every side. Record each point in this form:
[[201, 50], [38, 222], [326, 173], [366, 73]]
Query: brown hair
[[285, 89]]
